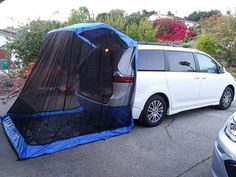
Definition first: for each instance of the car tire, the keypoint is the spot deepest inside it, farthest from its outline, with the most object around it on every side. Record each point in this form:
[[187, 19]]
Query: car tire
[[226, 98], [154, 111]]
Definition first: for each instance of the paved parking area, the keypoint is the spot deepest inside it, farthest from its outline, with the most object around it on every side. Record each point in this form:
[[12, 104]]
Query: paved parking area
[[180, 147]]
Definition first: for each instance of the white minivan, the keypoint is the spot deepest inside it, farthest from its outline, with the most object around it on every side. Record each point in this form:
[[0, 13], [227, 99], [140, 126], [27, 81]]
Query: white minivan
[[172, 79]]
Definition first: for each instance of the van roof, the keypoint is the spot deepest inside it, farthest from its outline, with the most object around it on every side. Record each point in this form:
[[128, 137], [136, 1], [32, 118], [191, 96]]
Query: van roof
[[163, 47]]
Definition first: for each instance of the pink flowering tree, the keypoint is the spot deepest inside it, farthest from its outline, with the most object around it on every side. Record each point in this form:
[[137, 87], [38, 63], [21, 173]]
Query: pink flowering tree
[[170, 30]]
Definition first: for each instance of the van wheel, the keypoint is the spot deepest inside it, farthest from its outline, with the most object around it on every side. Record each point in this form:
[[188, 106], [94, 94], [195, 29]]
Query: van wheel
[[154, 111], [226, 99]]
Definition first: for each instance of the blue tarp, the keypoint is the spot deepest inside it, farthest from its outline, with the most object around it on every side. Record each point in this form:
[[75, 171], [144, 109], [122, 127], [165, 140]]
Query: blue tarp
[[81, 27], [25, 150]]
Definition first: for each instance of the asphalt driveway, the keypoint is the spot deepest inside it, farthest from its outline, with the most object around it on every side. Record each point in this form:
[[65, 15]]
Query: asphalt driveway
[[181, 146]]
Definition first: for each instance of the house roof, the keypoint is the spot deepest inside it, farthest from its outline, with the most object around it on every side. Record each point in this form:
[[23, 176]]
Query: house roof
[[7, 32]]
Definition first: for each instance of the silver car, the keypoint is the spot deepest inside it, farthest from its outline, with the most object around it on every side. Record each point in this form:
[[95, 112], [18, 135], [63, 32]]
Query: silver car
[[224, 155]]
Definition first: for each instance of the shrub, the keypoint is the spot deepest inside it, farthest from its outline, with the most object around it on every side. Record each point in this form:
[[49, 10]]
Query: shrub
[[144, 31], [223, 28], [171, 30], [208, 44]]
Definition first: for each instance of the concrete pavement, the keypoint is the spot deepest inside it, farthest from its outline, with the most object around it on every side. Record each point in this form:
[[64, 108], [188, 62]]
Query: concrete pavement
[[180, 147]]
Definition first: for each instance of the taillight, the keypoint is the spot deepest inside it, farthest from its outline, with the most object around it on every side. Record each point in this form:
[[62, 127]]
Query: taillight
[[118, 77]]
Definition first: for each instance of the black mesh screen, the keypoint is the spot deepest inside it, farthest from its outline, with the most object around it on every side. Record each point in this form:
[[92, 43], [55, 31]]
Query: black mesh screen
[[68, 65]]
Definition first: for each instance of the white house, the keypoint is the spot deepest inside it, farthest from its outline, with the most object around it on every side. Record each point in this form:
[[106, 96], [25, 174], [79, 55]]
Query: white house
[[191, 24], [3, 39], [188, 23], [4, 55], [159, 16], [4, 34]]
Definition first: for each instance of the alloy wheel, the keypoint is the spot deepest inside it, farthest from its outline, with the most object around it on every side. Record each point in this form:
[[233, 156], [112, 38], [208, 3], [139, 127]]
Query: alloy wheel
[[155, 111], [227, 98]]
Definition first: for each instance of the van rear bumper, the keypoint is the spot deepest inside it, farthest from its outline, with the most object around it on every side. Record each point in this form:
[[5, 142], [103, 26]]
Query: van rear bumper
[[136, 112]]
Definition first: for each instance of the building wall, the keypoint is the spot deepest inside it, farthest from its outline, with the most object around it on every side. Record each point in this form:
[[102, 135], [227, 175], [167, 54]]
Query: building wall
[[3, 54], [3, 40]]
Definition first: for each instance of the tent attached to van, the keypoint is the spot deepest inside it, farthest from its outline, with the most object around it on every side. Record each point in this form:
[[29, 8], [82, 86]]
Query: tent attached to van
[[80, 90]]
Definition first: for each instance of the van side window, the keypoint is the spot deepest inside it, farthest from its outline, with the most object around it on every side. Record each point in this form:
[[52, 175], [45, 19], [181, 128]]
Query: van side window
[[206, 64], [181, 61], [151, 60]]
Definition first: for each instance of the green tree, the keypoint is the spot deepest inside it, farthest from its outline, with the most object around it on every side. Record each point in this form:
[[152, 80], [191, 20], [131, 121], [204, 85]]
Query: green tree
[[169, 13], [81, 15], [26, 45], [144, 31], [146, 13], [197, 16], [102, 17], [137, 16], [208, 44], [115, 18], [117, 12], [134, 18], [223, 28], [112, 14]]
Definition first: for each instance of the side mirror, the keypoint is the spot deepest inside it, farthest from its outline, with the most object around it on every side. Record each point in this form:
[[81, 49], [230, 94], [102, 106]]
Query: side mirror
[[221, 69]]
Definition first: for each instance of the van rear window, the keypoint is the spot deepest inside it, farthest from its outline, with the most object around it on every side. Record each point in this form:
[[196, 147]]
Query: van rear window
[[151, 60]]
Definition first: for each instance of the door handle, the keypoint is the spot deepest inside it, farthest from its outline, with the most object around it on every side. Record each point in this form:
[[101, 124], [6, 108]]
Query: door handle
[[196, 78], [204, 78]]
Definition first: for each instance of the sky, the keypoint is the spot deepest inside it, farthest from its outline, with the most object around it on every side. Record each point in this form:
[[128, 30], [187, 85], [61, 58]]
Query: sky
[[16, 12]]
